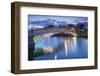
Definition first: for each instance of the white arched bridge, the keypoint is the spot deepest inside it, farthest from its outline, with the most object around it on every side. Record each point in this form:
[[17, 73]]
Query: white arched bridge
[[39, 34]]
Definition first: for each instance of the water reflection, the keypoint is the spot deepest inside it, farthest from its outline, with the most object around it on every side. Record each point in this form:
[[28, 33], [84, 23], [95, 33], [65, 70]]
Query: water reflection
[[61, 48], [70, 44]]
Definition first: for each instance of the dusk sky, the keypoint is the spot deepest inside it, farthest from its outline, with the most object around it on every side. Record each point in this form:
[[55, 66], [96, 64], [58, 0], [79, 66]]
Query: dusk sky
[[68, 19]]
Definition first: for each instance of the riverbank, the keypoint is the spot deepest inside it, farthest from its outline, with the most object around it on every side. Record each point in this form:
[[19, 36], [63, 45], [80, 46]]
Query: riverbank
[[81, 35]]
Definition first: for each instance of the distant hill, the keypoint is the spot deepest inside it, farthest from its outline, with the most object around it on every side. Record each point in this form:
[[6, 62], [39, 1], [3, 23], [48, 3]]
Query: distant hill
[[47, 22]]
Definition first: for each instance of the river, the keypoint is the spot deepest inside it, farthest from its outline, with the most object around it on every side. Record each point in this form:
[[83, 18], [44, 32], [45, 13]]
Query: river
[[54, 48]]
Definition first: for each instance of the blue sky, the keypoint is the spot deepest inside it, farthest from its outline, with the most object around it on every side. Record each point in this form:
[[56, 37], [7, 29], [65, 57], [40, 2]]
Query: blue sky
[[68, 19]]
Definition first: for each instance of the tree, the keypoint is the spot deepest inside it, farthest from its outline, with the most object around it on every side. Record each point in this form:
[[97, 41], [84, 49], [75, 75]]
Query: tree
[[50, 26], [80, 26], [70, 26]]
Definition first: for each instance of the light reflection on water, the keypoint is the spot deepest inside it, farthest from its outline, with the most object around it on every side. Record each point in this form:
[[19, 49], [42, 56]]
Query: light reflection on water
[[62, 48], [70, 44]]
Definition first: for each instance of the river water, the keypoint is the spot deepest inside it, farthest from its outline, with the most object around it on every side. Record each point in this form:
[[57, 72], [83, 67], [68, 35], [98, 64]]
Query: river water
[[62, 48]]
